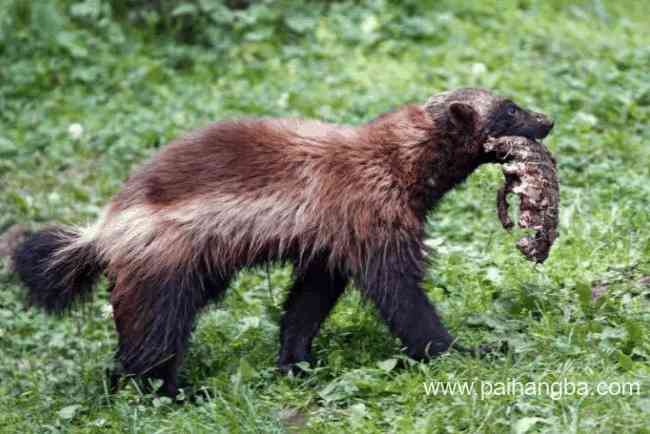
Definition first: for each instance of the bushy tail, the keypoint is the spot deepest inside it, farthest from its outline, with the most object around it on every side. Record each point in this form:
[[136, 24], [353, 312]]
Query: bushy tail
[[58, 268]]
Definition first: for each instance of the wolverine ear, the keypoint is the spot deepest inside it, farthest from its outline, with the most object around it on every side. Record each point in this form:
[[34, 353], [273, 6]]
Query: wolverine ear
[[462, 115]]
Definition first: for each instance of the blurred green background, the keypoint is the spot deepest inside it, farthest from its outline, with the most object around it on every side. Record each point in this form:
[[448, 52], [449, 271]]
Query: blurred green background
[[88, 89]]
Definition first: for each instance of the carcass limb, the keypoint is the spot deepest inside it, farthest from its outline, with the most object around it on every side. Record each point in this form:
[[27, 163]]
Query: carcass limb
[[530, 172]]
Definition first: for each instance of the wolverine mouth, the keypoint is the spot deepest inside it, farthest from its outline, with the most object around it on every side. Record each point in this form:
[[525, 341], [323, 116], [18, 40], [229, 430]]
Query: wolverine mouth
[[547, 129], [543, 128]]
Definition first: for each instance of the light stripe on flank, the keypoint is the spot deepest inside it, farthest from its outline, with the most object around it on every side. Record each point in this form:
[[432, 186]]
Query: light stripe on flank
[[145, 238]]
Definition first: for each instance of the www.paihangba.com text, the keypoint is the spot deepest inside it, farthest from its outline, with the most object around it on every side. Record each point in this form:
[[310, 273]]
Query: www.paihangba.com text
[[514, 387]]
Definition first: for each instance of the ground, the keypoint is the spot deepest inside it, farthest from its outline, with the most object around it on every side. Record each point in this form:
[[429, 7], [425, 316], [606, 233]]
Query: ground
[[88, 91]]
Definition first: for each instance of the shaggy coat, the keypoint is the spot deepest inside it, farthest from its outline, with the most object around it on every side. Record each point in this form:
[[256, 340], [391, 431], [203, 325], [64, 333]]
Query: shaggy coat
[[339, 202]]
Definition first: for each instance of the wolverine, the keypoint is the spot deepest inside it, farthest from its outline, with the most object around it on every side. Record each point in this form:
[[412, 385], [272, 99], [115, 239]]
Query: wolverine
[[340, 203]]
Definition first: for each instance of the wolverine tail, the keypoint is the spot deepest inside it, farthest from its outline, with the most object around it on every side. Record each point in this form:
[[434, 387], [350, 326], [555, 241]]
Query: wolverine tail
[[58, 267]]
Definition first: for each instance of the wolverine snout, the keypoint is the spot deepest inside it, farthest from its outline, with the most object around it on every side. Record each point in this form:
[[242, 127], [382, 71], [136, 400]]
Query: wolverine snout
[[545, 125]]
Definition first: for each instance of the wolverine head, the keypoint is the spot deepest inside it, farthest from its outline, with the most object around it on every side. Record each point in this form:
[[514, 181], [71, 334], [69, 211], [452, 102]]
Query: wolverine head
[[480, 114]]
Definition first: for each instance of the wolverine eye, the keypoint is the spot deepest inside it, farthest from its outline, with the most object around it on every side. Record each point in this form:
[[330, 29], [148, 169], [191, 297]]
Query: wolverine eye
[[512, 110]]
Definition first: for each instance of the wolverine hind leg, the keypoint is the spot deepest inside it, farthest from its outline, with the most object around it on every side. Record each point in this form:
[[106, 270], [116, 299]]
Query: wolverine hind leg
[[154, 317]]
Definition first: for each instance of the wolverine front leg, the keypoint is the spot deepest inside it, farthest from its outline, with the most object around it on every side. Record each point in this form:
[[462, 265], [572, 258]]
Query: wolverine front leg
[[391, 279], [311, 298]]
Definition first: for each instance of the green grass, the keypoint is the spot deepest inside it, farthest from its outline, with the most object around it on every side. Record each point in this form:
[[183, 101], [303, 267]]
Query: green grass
[[134, 84]]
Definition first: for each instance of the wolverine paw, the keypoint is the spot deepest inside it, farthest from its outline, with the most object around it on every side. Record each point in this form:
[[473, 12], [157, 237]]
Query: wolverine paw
[[292, 365]]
